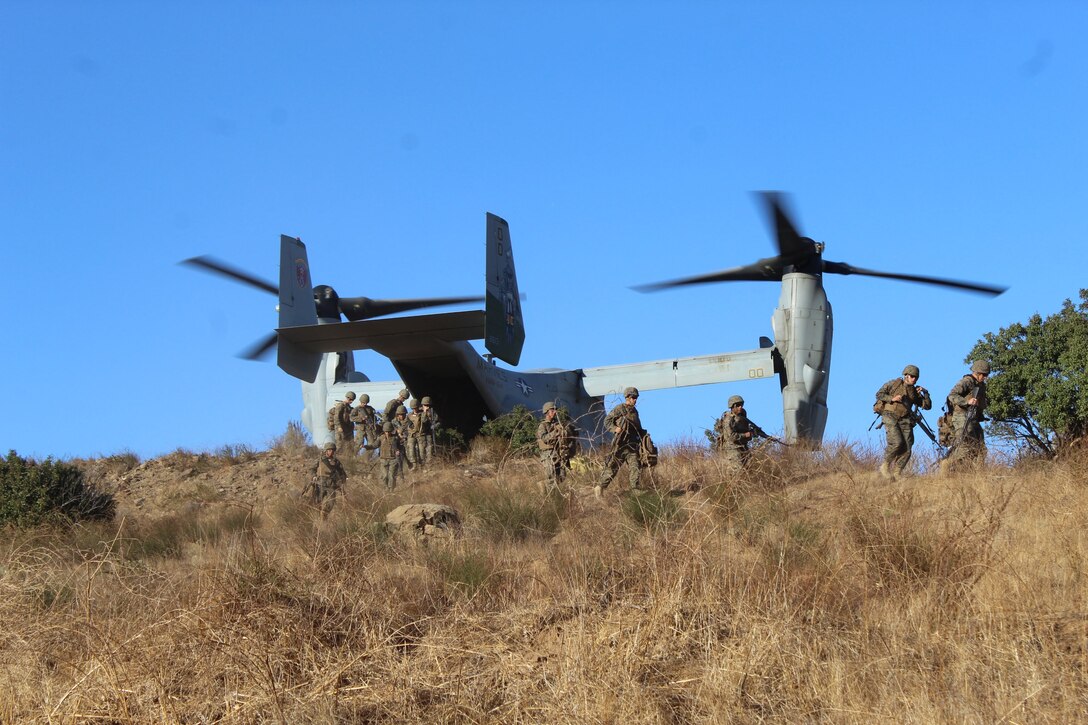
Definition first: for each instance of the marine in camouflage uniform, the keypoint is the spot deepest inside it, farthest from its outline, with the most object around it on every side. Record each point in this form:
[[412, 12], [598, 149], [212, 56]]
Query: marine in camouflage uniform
[[553, 439], [413, 448], [967, 400], [390, 409], [734, 433], [365, 419], [390, 453], [329, 477], [896, 401], [627, 433], [430, 429], [339, 422], [401, 428]]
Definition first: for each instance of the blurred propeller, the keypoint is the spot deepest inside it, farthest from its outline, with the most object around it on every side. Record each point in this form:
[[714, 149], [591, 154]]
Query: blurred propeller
[[363, 308], [213, 265], [329, 304], [801, 254], [843, 268], [260, 349]]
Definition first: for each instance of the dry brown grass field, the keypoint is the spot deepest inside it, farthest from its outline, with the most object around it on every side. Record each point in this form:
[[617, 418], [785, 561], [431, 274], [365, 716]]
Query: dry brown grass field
[[808, 590]]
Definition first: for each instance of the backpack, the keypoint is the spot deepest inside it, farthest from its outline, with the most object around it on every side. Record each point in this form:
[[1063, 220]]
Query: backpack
[[944, 429], [647, 452]]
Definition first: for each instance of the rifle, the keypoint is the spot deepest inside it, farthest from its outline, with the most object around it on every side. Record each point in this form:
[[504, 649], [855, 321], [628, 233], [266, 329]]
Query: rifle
[[972, 414], [623, 426], [920, 421], [308, 487], [759, 432]]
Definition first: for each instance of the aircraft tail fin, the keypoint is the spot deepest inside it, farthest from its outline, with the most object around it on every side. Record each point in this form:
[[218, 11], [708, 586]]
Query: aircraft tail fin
[[504, 327], [297, 308]]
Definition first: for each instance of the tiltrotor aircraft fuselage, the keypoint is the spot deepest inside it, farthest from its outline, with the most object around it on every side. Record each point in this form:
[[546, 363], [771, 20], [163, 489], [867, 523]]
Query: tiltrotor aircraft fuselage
[[433, 356]]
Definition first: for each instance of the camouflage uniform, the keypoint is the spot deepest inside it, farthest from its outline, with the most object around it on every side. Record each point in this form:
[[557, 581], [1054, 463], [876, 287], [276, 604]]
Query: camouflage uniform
[[969, 441], [625, 444], [414, 442], [391, 407], [731, 442], [365, 419], [390, 453], [402, 429], [733, 434], [328, 478], [898, 423], [339, 422], [554, 440], [429, 430]]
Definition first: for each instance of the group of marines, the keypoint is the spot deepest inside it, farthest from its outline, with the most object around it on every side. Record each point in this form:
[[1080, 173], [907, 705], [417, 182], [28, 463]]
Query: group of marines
[[632, 445], [406, 440], [407, 437], [899, 403]]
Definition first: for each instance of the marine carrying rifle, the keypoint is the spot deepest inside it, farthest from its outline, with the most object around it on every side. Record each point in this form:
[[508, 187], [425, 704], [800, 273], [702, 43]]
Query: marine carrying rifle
[[969, 418]]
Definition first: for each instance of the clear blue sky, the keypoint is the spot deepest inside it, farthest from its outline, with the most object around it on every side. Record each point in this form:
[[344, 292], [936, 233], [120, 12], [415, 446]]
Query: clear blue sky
[[620, 140]]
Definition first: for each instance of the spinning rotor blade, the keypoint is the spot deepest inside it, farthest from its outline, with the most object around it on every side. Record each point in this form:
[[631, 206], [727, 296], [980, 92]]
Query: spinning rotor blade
[[843, 268], [363, 308], [761, 271], [789, 242], [210, 264], [259, 349]]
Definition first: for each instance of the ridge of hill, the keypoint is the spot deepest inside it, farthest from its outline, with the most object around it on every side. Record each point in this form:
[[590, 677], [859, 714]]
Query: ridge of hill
[[807, 589]]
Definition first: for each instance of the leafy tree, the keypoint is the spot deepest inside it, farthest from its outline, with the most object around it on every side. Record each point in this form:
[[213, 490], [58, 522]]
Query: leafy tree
[[33, 491], [1038, 386]]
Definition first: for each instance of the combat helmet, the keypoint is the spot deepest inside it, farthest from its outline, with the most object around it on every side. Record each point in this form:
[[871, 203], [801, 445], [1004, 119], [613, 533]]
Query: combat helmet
[[401, 409], [980, 366], [404, 394], [426, 400], [911, 370], [413, 403], [630, 392], [350, 395], [387, 427], [548, 406], [735, 400], [364, 399], [330, 446]]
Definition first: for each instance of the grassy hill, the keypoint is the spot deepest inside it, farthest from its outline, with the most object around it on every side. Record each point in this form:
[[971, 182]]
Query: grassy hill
[[808, 590]]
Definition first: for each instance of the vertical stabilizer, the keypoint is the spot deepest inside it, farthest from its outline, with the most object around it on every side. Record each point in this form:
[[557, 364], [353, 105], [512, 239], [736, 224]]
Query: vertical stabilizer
[[504, 328], [296, 308]]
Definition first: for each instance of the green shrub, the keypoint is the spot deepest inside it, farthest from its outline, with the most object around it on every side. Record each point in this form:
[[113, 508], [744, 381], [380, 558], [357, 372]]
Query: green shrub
[[449, 442], [32, 492], [518, 427]]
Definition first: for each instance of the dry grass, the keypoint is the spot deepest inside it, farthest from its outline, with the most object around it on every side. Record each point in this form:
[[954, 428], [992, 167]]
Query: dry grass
[[808, 590]]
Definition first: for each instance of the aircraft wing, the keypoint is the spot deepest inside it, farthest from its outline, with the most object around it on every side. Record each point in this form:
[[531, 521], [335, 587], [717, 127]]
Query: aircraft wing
[[680, 372], [385, 334]]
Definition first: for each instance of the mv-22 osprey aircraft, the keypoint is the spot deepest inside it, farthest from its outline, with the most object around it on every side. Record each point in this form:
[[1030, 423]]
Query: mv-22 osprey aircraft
[[432, 354]]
